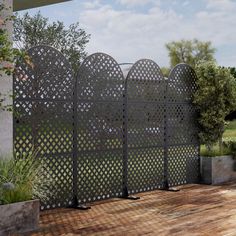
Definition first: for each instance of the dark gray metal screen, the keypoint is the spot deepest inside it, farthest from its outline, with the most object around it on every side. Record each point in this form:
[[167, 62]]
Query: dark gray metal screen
[[100, 91], [182, 128], [145, 126], [43, 118], [99, 135]]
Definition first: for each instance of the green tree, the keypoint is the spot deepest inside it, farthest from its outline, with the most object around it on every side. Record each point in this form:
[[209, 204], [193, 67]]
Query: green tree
[[232, 71], [191, 52], [165, 71], [34, 30], [7, 53], [215, 98]]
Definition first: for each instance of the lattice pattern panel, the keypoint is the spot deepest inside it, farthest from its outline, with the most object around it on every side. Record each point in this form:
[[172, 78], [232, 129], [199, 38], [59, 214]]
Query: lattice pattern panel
[[179, 116], [100, 128], [182, 84], [145, 126], [43, 118], [183, 164], [101, 135], [145, 169], [100, 175], [182, 129]]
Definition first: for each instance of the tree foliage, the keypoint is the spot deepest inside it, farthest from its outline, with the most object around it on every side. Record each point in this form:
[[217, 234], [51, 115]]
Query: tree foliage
[[215, 98], [191, 52], [6, 51], [34, 30], [165, 71], [233, 71]]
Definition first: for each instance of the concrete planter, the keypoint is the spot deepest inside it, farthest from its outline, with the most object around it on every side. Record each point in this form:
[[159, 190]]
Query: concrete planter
[[217, 170], [19, 217]]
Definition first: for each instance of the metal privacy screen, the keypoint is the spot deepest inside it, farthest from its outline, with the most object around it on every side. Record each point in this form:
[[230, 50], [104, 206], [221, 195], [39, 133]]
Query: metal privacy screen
[[181, 127], [43, 118], [100, 90], [145, 126], [100, 135]]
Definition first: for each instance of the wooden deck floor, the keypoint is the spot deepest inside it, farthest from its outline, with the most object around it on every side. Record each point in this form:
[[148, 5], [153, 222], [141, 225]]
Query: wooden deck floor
[[195, 210]]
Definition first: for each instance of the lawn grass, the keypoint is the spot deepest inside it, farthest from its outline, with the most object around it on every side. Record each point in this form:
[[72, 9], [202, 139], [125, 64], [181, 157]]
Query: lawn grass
[[230, 134], [231, 125]]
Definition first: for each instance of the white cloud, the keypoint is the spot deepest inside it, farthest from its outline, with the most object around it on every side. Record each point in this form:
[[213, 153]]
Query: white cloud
[[217, 22], [129, 35], [134, 2], [186, 3], [222, 5], [91, 4]]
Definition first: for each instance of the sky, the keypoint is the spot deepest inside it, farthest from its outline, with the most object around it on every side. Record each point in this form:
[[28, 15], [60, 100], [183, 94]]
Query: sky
[[129, 30]]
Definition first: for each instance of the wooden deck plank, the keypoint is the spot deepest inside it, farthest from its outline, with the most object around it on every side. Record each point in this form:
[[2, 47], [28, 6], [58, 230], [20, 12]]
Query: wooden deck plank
[[196, 210]]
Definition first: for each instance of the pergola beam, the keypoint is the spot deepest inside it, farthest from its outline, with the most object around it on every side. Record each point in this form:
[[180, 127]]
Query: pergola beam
[[19, 5]]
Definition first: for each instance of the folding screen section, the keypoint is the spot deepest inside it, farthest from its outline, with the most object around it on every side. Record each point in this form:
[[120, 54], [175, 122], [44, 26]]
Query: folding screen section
[[145, 91], [182, 128], [99, 129], [43, 119]]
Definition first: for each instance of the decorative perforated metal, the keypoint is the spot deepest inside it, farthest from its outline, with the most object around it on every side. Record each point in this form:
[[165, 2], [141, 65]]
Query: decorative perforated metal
[[182, 128], [99, 135], [145, 126], [100, 105], [43, 118]]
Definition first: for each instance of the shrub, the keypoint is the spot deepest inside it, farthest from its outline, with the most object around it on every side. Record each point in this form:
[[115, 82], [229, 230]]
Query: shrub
[[214, 152], [215, 98], [230, 143], [21, 180]]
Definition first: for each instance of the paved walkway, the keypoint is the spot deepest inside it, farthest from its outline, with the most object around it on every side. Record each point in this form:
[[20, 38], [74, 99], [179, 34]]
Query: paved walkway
[[195, 210]]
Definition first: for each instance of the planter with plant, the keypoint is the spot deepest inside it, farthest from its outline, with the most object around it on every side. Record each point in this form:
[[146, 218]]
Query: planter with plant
[[215, 98], [230, 144], [217, 169], [219, 166], [21, 185]]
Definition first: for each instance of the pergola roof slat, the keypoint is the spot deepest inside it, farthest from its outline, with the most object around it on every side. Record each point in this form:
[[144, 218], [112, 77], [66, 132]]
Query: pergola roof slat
[[27, 4]]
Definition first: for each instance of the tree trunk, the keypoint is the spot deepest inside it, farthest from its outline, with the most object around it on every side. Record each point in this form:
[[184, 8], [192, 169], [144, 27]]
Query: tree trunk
[[221, 139], [221, 144], [209, 147]]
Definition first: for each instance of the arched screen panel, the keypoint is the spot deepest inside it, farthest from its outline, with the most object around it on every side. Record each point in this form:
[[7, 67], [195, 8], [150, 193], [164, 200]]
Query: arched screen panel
[[182, 128], [145, 91], [100, 126], [43, 119]]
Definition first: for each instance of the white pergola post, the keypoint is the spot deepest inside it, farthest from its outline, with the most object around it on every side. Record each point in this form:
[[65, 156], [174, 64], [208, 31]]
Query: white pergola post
[[6, 119], [6, 82]]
